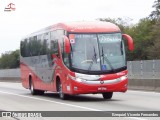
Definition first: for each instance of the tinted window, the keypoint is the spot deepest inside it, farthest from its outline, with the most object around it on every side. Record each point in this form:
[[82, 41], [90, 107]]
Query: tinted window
[[34, 46], [54, 42], [41, 44], [24, 48]]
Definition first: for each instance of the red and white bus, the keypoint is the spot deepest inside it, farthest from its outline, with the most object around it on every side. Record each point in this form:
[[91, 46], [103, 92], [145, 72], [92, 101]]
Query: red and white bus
[[75, 58]]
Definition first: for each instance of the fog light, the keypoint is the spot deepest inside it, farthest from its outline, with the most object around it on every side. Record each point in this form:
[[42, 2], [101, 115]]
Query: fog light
[[75, 88]]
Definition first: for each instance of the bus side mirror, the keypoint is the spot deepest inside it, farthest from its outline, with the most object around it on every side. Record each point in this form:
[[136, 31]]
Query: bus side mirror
[[130, 41], [67, 46]]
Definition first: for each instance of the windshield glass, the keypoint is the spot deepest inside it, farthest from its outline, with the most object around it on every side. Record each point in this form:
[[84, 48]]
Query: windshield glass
[[97, 52]]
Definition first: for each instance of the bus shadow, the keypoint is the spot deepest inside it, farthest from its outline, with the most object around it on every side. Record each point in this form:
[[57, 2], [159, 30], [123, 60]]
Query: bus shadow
[[79, 98]]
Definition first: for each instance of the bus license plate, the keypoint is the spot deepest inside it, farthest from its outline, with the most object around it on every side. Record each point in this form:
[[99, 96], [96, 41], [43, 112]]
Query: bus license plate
[[102, 88]]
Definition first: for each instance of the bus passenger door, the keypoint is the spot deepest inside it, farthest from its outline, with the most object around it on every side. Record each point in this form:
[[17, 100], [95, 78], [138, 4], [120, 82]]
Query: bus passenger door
[[65, 65]]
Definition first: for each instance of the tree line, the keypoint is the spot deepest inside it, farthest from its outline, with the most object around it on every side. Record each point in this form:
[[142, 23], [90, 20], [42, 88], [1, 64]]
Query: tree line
[[145, 33], [9, 60]]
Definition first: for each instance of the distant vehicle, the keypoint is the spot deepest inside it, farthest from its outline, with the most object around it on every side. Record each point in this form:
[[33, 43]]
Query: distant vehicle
[[75, 58]]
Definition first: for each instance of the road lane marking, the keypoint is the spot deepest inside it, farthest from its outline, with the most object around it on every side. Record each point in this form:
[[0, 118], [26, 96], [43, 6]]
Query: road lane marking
[[62, 103], [144, 92], [77, 106]]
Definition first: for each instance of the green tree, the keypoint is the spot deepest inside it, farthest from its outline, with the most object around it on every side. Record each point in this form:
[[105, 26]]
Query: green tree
[[122, 23], [155, 14], [154, 49], [141, 34], [9, 60]]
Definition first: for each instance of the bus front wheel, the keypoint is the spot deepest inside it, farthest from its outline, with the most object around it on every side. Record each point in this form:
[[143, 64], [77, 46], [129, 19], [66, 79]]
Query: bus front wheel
[[107, 95], [62, 95]]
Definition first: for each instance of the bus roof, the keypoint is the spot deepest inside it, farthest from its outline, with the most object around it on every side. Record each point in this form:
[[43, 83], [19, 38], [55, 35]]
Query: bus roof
[[95, 26], [80, 27]]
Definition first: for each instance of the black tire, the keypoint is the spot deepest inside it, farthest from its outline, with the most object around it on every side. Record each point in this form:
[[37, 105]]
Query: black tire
[[40, 92], [34, 91], [107, 95], [62, 95]]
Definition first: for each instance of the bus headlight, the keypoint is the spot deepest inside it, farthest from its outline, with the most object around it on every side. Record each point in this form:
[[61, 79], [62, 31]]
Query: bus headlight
[[84, 77], [75, 78], [123, 77], [78, 79]]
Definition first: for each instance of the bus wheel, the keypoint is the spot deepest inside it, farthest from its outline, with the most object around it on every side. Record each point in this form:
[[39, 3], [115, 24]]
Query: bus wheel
[[33, 91], [62, 95], [107, 95]]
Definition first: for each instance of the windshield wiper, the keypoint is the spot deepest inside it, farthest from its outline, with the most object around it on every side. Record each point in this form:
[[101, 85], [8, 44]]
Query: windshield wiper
[[121, 48], [107, 61], [94, 58]]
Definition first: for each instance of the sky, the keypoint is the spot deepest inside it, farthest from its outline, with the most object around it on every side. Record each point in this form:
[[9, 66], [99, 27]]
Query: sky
[[32, 15]]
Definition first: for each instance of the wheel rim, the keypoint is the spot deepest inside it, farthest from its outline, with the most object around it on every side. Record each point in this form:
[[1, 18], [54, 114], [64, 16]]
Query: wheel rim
[[60, 91], [31, 88]]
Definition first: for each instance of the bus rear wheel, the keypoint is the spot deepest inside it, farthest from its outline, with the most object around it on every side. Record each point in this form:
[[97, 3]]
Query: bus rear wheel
[[34, 91], [62, 95], [107, 95]]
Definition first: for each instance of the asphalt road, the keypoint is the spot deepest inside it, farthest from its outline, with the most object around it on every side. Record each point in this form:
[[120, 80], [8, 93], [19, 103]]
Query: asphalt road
[[13, 97]]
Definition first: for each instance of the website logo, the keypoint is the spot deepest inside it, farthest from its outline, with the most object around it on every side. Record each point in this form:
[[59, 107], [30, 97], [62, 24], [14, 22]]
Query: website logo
[[10, 7], [6, 114]]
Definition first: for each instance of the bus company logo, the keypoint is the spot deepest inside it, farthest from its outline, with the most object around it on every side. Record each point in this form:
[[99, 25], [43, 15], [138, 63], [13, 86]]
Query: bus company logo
[[102, 82], [10, 7]]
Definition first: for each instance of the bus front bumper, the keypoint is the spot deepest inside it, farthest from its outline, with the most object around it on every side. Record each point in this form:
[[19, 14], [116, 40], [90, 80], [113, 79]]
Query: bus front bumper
[[99, 87]]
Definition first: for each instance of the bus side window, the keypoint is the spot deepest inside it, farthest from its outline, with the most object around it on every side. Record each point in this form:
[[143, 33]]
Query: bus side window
[[54, 43], [34, 46], [39, 44], [24, 48], [31, 46], [45, 44]]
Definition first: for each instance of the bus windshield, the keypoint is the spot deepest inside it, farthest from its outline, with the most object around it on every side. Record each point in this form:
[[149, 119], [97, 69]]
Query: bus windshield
[[97, 52]]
